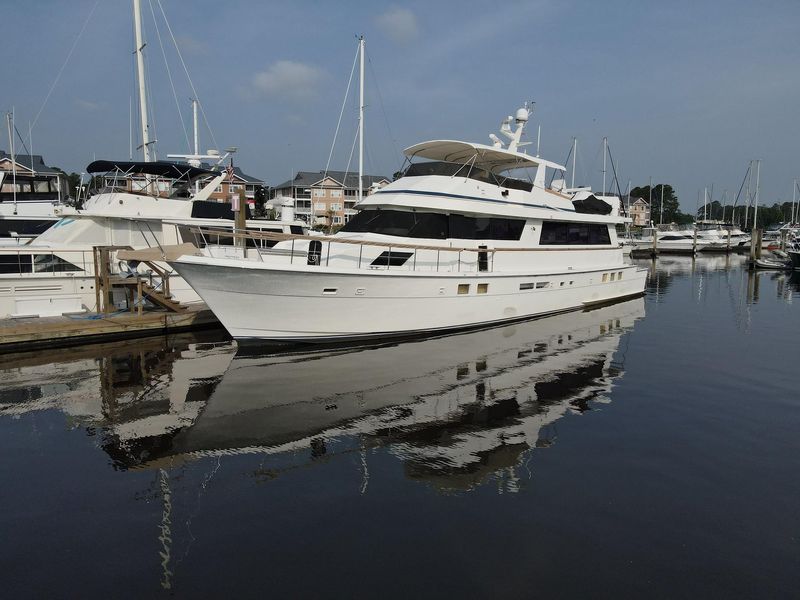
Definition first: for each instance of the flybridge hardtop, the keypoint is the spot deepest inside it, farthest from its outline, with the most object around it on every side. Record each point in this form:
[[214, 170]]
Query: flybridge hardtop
[[159, 168], [492, 158]]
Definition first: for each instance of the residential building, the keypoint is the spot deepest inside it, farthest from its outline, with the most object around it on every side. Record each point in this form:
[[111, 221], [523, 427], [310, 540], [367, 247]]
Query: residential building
[[639, 211], [330, 197]]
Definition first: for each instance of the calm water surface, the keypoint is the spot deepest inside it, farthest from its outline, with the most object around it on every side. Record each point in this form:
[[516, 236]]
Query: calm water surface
[[645, 449]]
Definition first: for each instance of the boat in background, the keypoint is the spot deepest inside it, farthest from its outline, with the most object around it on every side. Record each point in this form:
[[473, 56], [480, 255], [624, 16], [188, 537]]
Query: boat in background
[[55, 273], [32, 197]]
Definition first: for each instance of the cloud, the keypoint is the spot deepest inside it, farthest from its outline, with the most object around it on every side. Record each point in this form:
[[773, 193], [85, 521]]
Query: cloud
[[87, 105], [191, 46], [287, 79], [400, 24]]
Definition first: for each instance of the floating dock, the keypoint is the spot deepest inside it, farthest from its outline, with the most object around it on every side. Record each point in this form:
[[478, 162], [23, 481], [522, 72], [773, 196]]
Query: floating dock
[[48, 332]]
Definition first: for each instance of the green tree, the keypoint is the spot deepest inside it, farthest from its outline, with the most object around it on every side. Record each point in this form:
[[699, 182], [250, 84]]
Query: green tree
[[671, 207]]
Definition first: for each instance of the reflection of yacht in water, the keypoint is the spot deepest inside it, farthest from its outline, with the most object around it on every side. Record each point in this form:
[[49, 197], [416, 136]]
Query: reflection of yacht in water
[[132, 389], [456, 409]]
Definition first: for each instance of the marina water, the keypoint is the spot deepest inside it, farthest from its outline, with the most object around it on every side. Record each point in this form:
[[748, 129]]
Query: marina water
[[646, 448]]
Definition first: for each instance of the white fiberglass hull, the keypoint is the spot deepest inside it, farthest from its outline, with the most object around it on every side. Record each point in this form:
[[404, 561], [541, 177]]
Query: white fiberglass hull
[[255, 301]]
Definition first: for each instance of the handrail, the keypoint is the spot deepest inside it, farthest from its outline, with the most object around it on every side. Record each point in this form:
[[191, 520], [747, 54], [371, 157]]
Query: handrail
[[338, 240]]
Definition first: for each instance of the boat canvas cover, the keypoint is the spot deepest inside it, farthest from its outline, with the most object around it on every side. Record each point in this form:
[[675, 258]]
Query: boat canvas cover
[[159, 168], [592, 206]]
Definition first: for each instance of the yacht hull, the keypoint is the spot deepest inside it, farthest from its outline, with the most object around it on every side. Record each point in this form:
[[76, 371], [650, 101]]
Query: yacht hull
[[260, 302]]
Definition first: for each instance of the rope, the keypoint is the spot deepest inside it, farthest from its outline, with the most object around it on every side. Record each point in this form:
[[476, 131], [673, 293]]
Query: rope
[[186, 70], [341, 113], [169, 76], [66, 60]]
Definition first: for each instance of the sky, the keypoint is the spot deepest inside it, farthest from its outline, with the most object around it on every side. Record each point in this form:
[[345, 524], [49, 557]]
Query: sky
[[687, 93]]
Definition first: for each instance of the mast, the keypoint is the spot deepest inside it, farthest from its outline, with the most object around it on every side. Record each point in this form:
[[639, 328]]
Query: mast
[[705, 203], [10, 122], [149, 155], [747, 206], [194, 121], [574, 155], [130, 128], [605, 153], [361, 120], [661, 218], [758, 181], [650, 197], [794, 199]]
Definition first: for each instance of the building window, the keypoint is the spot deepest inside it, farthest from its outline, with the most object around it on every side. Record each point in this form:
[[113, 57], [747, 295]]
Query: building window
[[337, 220], [320, 206], [319, 193], [351, 192], [336, 206], [336, 193]]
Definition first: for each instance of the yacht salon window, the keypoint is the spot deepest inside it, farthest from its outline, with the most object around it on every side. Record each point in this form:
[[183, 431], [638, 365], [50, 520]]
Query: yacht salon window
[[556, 233], [437, 226]]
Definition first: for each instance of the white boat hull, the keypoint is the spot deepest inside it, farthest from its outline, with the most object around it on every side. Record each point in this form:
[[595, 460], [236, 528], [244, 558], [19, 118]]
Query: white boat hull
[[262, 302]]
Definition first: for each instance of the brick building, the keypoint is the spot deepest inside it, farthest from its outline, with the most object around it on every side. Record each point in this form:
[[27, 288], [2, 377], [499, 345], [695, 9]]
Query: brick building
[[330, 197]]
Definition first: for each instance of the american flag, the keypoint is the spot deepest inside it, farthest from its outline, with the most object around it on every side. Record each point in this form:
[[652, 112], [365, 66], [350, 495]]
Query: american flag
[[229, 171]]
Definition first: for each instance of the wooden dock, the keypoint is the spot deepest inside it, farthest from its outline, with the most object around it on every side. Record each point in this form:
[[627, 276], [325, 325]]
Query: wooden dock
[[48, 332]]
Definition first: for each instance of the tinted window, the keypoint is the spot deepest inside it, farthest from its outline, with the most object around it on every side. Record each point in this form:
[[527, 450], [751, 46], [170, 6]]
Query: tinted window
[[436, 226], [393, 259], [555, 233], [16, 264]]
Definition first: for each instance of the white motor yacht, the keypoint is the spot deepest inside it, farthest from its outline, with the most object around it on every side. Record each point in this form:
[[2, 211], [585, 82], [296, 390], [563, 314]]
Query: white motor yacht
[[456, 242], [55, 273]]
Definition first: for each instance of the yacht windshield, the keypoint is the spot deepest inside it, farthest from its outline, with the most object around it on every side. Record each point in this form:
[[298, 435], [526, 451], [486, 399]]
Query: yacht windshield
[[448, 169]]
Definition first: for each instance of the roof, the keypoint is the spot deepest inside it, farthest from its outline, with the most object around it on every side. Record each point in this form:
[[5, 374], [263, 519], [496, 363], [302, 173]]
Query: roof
[[348, 179], [35, 162], [160, 168], [237, 172], [488, 157]]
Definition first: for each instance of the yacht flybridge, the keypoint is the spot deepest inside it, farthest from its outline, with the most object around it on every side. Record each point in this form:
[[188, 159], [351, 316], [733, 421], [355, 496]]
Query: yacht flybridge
[[456, 242]]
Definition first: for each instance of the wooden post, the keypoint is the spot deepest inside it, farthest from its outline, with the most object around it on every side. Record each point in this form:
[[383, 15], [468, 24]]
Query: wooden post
[[783, 239], [98, 308]]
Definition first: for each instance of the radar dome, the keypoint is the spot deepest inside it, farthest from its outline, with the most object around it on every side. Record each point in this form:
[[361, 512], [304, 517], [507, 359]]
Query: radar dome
[[522, 115]]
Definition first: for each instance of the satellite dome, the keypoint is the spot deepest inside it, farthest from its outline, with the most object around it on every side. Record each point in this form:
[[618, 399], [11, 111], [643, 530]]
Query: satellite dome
[[522, 115]]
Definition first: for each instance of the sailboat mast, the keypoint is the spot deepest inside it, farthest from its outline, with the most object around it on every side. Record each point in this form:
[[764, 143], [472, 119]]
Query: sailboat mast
[[194, 121], [794, 199], [574, 155], [10, 122], [361, 120], [747, 205], [149, 155], [758, 182], [605, 154]]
